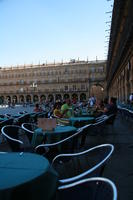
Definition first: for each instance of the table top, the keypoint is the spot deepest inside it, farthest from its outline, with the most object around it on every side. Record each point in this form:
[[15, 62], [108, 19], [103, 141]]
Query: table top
[[26, 176], [61, 129], [60, 132], [17, 168], [81, 118]]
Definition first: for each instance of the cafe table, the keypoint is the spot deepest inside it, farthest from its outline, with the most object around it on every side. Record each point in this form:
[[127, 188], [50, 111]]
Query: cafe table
[[26, 176], [58, 133], [81, 120]]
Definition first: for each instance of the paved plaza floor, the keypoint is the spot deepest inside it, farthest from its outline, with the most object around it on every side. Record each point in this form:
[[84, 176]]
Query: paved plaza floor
[[120, 166], [14, 110]]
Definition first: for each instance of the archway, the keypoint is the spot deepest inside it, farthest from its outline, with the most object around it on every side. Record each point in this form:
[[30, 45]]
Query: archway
[[35, 98], [58, 97], [8, 100], [74, 98], [14, 99], [1, 99], [66, 96], [28, 99], [21, 99], [97, 91], [42, 98], [50, 97], [83, 97]]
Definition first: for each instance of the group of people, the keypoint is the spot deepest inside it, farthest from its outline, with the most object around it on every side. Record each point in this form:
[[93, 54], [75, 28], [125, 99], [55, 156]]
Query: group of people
[[59, 110], [62, 110], [65, 109]]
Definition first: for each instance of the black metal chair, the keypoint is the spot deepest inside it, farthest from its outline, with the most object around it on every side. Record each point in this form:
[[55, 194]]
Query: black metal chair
[[29, 129], [95, 188], [16, 138], [94, 129], [69, 144], [88, 163], [22, 119], [111, 119]]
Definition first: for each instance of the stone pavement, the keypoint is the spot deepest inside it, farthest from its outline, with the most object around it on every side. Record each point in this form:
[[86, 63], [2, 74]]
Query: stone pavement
[[16, 109], [120, 167]]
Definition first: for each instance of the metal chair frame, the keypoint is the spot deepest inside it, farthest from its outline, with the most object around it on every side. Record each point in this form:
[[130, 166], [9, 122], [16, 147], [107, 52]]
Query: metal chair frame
[[64, 140], [13, 140], [28, 131], [85, 173], [96, 180]]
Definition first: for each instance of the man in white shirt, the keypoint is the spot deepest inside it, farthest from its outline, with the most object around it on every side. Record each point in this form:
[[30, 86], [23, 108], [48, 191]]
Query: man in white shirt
[[131, 98]]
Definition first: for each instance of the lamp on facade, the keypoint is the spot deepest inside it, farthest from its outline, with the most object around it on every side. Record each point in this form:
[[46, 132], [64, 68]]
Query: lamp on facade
[[21, 90], [33, 85]]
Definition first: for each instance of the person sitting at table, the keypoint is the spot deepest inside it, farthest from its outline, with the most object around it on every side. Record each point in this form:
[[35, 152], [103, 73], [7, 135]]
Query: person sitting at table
[[111, 108], [65, 109], [57, 110], [38, 108]]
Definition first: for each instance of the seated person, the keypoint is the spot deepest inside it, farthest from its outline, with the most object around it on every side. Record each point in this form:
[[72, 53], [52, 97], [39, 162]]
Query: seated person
[[38, 108], [111, 108], [57, 111], [65, 109]]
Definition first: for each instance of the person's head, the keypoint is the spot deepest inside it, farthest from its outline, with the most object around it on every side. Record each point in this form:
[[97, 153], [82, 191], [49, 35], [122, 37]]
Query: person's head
[[37, 105], [113, 100], [57, 105], [106, 100], [68, 101]]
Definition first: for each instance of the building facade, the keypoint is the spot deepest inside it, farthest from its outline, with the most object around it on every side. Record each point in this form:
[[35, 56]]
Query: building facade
[[48, 82], [120, 54]]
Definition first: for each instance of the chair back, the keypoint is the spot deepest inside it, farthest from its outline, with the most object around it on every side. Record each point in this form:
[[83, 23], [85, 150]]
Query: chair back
[[95, 188], [6, 122], [99, 126], [111, 119], [88, 163], [15, 137], [22, 119], [29, 129], [69, 144]]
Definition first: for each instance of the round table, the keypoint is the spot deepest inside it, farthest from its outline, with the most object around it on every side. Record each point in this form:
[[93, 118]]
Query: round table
[[60, 132], [81, 120], [26, 176]]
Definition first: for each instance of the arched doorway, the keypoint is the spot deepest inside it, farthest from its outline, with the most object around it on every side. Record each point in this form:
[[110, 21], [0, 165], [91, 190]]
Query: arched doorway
[[58, 97], [42, 98], [8, 100], [28, 99], [74, 98], [21, 99], [66, 96], [83, 97], [97, 91], [1, 100], [35, 98], [14, 99], [50, 97]]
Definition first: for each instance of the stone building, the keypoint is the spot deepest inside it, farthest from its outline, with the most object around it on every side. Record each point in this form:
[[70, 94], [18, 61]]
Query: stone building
[[120, 54], [47, 82]]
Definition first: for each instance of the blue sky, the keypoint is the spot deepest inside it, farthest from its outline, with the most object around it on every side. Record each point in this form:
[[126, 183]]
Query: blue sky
[[33, 31]]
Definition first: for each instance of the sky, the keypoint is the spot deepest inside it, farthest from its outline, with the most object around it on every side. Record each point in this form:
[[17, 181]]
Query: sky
[[40, 31]]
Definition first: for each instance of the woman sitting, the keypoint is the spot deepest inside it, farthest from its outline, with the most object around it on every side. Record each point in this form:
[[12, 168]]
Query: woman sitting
[[57, 110], [38, 108]]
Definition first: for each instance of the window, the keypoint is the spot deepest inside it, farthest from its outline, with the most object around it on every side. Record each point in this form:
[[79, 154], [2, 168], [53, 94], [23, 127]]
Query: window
[[74, 87], [66, 87], [82, 87]]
